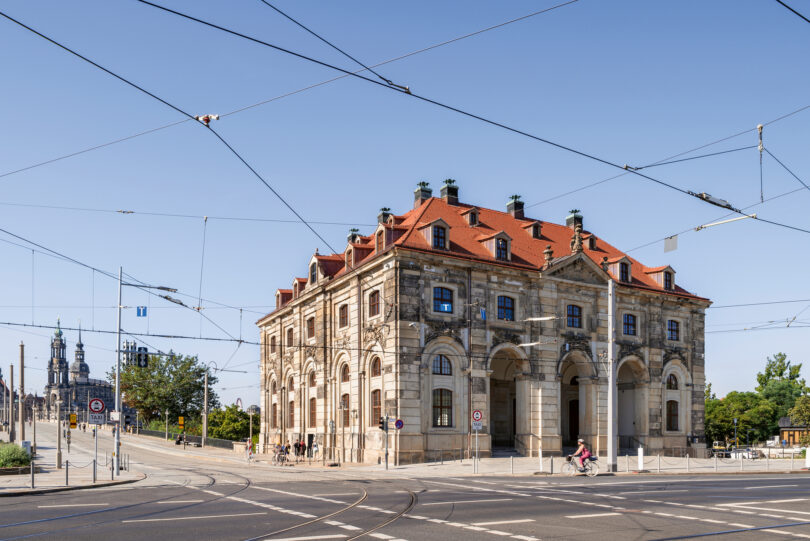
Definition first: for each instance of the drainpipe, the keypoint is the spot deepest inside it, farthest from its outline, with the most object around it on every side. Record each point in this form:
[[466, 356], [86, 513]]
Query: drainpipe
[[469, 359], [397, 356]]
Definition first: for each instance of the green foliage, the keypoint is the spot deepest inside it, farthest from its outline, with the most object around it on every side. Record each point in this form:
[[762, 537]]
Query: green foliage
[[780, 369], [13, 456], [782, 394], [193, 427], [231, 423], [800, 413], [173, 383], [751, 410]]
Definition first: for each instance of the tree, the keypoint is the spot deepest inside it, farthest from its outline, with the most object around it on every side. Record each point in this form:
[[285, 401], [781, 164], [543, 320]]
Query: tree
[[752, 411], [174, 383], [231, 423], [780, 369], [800, 413]]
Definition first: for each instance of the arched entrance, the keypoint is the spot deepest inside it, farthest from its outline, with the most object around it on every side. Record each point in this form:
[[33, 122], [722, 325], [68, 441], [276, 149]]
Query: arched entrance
[[576, 399], [508, 405], [633, 389]]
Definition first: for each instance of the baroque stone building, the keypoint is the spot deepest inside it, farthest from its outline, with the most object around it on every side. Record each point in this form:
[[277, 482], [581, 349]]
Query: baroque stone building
[[451, 308], [73, 386]]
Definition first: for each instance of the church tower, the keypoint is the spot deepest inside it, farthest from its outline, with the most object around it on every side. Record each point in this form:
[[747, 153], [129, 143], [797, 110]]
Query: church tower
[[79, 371]]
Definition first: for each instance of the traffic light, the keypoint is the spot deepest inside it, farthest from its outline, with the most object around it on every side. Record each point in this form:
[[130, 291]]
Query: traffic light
[[382, 423], [143, 357]]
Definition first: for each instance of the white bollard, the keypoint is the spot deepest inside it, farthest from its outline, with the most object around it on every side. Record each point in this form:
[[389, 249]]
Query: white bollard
[[640, 458], [626, 462], [715, 462], [512, 465], [687, 463], [807, 458], [540, 458], [659, 463]]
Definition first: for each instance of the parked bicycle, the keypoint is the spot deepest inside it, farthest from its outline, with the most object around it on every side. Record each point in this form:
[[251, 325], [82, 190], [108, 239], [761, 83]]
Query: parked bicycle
[[590, 466]]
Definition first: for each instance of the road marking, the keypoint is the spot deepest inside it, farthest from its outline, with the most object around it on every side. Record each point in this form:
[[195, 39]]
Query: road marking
[[469, 501], [182, 501], [340, 494], [307, 538], [769, 509], [653, 491], [598, 515], [191, 518], [761, 501], [738, 525], [74, 505], [499, 532], [770, 486], [297, 495], [503, 522]]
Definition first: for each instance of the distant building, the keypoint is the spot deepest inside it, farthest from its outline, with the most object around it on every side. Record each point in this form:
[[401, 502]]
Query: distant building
[[790, 432], [74, 386], [451, 308]]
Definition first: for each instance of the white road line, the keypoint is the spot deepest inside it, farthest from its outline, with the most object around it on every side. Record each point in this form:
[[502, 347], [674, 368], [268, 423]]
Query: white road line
[[313, 537], [738, 525], [761, 501], [499, 532], [340, 494], [503, 522], [380, 535], [769, 509], [74, 505], [469, 501], [182, 501], [597, 515], [192, 518], [297, 495], [770, 486], [653, 491]]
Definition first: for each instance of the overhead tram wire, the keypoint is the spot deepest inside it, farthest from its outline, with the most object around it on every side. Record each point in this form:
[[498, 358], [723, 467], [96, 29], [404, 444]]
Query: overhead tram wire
[[495, 123], [181, 111], [303, 89], [785, 167], [794, 11]]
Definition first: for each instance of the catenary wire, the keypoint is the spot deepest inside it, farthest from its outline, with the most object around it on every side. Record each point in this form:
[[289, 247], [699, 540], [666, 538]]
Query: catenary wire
[[658, 164], [188, 115], [303, 89], [464, 113], [794, 11], [756, 304], [785, 167]]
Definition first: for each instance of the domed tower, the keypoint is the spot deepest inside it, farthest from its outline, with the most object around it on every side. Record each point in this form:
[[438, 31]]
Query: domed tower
[[58, 372], [79, 369]]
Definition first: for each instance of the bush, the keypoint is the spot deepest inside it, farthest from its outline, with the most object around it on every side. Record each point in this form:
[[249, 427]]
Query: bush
[[12, 456]]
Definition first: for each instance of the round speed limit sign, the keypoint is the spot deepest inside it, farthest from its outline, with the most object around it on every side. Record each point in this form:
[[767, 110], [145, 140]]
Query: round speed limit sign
[[477, 415]]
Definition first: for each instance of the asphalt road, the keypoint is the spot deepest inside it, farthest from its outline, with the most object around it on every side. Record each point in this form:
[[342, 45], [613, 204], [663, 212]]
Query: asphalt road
[[187, 497]]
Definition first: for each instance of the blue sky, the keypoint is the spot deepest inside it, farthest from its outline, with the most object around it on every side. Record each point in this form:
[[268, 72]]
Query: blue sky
[[633, 82]]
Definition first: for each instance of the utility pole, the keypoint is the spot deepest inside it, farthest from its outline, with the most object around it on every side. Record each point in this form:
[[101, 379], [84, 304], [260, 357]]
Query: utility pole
[[34, 409], [117, 448], [167, 424], [59, 434], [11, 432], [205, 409], [612, 398], [22, 392]]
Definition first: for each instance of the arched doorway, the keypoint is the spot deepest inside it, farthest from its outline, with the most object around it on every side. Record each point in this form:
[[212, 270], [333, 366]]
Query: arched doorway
[[633, 384], [577, 410], [508, 405]]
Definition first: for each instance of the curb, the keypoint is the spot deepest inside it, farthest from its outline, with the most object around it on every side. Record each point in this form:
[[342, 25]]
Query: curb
[[66, 489]]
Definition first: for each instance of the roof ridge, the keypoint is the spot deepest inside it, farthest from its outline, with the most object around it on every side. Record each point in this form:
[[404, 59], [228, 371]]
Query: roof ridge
[[407, 235]]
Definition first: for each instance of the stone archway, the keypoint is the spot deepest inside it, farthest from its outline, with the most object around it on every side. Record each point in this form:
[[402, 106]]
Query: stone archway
[[632, 383], [509, 406], [577, 399]]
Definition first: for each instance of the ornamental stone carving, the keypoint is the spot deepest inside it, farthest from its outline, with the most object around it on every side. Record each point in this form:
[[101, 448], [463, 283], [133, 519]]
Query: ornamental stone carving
[[375, 333], [438, 329], [575, 341]]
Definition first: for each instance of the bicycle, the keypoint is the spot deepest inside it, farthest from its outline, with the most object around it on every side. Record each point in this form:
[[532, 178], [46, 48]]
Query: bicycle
[[279, 458], [590, 466]]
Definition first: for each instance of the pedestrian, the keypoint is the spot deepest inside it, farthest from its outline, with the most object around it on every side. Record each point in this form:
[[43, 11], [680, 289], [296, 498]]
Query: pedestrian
[[315, 449], [297, 447], [303, 448]]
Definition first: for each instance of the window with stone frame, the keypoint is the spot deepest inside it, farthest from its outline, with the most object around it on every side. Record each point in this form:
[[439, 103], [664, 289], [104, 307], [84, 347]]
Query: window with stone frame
[[313, 273], [376, 367], [311, 327], [313, 412], [506, 308], [343, 316], [273, 388], [501, 249], [624, 272], [313, 379], [442, 366], [668, 280], [289, 343], [380, 241], [574, 316], [672, 382], [442, 407], [376, 408], [274, 416], [672, 415], [374, 303], [344, 409], [439, 237], [290, 384], [291, 414], [629, 324], [443, 300], [673, 330], [273, 344], [344, 373]]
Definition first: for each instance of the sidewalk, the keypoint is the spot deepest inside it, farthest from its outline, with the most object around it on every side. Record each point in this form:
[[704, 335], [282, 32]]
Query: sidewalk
[[78, 464]]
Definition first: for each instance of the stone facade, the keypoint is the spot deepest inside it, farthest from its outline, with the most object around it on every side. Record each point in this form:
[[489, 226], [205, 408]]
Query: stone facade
[[356, 340]]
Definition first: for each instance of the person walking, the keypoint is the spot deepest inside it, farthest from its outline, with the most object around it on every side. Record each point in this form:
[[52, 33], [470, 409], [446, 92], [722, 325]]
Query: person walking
[[303, 449], [297, 447]]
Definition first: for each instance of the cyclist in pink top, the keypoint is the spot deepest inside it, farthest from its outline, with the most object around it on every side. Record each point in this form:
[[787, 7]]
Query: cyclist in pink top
[[583, 453]]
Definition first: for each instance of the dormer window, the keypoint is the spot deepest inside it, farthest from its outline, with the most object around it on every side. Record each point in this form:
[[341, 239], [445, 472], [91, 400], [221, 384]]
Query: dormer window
[[439, 237], [624, 272], [668, 281], [380, 242], [502, 249], [536, 231], [348, 259], [592, 243], [472, 218], [313, 273], [295, 289]]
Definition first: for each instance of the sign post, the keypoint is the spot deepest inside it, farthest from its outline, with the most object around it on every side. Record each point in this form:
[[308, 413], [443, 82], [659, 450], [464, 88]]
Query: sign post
[[477, 425], [96, 409]]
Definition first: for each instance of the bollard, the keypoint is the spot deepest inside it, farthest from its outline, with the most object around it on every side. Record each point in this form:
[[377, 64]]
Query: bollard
[[512, 465], [741, 463], [791, 460], [640, 458], [715, 462], [659, 462], [94, 470], [768, 463], [687, 463], [540, 457], [626, 462], [67, 467], [33, 468], [551, 465]]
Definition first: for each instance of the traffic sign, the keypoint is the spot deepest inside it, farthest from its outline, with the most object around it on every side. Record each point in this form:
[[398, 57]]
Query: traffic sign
[[96, 418], [399, 424], [477, 415], [72, 420], [181, 423], [141, 311], [96, 405], [478, 425], [115, 416]]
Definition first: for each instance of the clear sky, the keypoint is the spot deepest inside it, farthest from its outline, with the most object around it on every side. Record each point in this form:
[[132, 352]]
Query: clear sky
[[633, 82]]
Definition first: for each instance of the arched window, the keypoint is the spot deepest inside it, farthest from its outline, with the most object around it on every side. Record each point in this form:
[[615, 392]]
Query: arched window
[[313, 273], [441, 366], [291, 415], [501, 249], [348, 259], [278, 301], [442, 300], [289, 337], [442, 407], [273, 387], [343, 316], [672, 415], [374, 303], [574, 316], [344, 409], [274, 418], [672, 383], [344, 373], [272, 344], [375, 367], [313, 380], [313, 412], [506, 308], [376, 408], [380, 242], [290, 384]]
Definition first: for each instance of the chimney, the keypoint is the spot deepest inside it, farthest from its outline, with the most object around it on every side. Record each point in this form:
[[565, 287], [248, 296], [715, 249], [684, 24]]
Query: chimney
[[353, 234], [573, 219], [384, 214], [515, 206], [449, 192], [422, 193]]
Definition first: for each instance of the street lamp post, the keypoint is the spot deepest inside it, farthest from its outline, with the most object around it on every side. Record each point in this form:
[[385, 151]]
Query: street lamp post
[[736, 443], [59, 434], [167, 424]]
